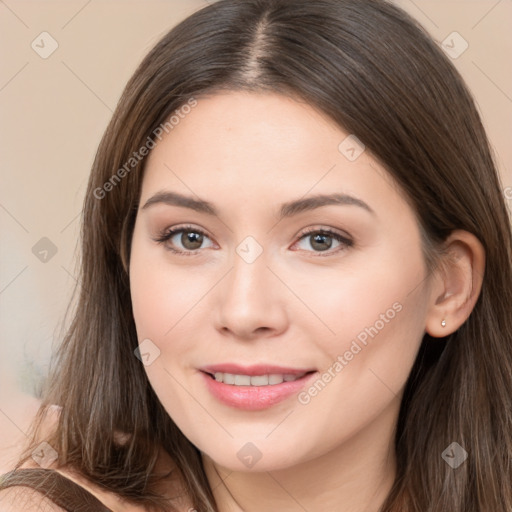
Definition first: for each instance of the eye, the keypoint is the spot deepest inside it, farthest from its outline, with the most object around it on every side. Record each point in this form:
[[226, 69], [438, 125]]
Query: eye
[[190, 238], [321, 240]]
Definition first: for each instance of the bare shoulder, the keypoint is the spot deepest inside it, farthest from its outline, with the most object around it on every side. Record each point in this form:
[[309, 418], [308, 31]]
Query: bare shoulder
[[24, 499], [21, 498]]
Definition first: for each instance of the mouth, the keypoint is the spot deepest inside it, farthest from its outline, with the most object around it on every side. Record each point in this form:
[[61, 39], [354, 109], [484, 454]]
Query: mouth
[[255, 387]]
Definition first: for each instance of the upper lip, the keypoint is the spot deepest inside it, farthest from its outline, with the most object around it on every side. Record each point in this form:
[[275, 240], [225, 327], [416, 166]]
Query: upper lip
[[258, 369]]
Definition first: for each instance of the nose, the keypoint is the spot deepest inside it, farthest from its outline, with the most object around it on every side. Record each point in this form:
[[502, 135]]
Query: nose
[[251, 301]]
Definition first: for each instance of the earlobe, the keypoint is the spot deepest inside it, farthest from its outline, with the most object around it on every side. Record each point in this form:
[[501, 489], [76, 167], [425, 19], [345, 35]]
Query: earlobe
[[458, 283]]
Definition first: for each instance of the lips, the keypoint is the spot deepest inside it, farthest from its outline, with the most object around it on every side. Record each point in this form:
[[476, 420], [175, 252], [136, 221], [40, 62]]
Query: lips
[[254, 387]]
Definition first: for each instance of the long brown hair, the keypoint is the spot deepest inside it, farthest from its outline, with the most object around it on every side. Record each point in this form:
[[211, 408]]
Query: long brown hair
[[375, 72]]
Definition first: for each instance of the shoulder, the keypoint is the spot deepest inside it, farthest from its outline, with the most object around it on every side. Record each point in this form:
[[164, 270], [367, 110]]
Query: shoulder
[[24, 499], [21, 499]]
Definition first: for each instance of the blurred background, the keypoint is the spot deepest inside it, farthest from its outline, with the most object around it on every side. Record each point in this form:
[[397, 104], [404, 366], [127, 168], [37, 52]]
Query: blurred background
[[63, 67]]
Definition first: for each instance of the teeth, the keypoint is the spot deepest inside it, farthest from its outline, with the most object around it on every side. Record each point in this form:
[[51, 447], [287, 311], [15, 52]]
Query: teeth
[[242, 380], [255, 380], [275, 379], [228, 378], [259, 380]]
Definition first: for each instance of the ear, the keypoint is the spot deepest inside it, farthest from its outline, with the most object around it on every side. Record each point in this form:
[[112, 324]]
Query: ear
[[456, 284]]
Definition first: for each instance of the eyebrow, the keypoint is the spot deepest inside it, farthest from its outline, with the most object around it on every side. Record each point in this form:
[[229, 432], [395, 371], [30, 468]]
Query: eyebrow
[[287, 209]]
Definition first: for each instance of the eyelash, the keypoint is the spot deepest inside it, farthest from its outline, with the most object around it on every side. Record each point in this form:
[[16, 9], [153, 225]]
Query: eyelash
[[167, 234]]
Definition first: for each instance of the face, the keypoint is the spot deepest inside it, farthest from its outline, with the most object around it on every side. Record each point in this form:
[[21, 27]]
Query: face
[[275, 328]]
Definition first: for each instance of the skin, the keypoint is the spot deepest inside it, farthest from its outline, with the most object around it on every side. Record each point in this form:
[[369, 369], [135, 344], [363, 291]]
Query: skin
[[293, 306]]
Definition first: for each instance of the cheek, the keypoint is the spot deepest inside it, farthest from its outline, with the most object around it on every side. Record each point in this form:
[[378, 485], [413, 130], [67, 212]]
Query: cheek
[[373, 323], [377, 319], [161, 297], [364, 374], [370, 296]]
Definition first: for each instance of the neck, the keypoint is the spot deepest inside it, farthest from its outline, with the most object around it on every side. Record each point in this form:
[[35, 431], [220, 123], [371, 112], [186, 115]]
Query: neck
[[356, 476]]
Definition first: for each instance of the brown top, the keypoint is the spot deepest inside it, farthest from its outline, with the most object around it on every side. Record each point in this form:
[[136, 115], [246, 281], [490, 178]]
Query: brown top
[[61, 490]]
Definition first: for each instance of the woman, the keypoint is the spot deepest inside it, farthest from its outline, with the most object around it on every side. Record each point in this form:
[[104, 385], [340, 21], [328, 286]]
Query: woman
[[296, 279]]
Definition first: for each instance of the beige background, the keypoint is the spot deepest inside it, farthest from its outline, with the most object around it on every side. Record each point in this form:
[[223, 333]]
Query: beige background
[[53, 112]]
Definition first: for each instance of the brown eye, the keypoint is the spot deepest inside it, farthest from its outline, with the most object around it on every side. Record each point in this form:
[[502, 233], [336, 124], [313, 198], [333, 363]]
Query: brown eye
[[191, 240], [322, 240], [185, 240]]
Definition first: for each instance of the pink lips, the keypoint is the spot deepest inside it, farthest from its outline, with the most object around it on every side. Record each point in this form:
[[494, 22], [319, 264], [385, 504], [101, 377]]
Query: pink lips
[[254, 398]]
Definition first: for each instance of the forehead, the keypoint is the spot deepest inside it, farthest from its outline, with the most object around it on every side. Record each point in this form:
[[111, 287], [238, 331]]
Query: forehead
[[259, 149], [250, 130]]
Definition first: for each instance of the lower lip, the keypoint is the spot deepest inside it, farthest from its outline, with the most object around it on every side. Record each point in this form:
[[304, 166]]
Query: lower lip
[[254, 398]]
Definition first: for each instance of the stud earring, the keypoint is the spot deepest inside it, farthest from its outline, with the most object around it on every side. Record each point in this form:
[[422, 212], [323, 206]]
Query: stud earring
[[443, 323]]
